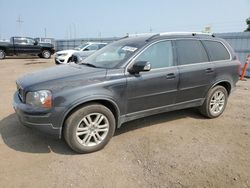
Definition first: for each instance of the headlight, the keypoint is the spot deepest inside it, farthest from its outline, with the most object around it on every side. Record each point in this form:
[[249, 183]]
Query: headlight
[[41, 98]]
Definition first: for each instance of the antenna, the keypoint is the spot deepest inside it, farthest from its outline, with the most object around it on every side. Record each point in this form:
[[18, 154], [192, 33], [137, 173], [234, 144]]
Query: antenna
[[20, 21]]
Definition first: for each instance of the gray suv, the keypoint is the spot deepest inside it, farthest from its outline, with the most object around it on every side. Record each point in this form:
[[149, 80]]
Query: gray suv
[[128, 79]]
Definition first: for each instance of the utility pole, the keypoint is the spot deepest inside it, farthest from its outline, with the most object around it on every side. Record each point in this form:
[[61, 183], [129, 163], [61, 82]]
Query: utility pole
[[150, 29], [45, 32], [20, 21], [100, 36]]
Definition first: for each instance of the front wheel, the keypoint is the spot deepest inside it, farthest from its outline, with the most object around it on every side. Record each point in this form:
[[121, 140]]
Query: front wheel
[[2, 54], [215, 102], [89, 128], [46, 54]]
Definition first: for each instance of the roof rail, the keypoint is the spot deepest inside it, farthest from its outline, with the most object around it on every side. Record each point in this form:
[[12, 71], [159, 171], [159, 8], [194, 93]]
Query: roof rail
[[154, 35], [140, 34], [184, 33], [137, 35]]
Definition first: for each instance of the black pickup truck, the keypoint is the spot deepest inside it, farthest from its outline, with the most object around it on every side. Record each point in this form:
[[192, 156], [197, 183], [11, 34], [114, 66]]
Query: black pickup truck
[[25, 45]]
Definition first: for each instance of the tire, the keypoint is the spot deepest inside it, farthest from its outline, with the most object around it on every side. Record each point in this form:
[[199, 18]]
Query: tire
[[215, 102], [70, 60], [2, 54], [87, 140], [46, 54]]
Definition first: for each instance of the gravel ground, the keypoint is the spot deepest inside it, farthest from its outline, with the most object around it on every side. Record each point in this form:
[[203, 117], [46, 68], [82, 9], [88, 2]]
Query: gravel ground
[[176, 149]]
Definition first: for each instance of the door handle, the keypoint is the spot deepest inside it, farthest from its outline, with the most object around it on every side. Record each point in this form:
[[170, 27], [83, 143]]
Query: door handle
[[209, 70], [170, 76]]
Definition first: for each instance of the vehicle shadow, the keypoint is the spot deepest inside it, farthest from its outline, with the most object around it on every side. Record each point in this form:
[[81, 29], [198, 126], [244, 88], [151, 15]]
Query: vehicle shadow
[[22, 57], [158, 119], [21, 138]]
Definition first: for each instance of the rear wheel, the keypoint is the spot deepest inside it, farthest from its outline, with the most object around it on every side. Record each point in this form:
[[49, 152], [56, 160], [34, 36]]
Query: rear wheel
[[46, 54], [2, 54], [89, 129], [215, 102]]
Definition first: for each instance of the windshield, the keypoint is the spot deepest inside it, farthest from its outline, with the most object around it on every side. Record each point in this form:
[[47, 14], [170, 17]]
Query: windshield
[[78, 48], [112, 55]]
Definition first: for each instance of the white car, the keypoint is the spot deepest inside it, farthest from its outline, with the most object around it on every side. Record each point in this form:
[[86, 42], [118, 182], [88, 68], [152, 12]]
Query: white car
[[64, 56]]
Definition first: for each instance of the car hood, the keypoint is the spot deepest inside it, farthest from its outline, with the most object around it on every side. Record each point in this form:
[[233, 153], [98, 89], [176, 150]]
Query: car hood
[[61, 76], [66, 52]]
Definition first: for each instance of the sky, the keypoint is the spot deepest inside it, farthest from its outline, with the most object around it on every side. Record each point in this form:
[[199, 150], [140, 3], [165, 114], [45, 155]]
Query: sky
[[114, 18]]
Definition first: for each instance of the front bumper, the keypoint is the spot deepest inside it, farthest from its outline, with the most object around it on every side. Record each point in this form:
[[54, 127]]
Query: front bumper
[[59, 61], [36, 119]]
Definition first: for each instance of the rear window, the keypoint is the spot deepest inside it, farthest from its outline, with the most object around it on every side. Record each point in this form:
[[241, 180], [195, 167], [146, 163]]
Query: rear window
[[190, 51], [216, 50]]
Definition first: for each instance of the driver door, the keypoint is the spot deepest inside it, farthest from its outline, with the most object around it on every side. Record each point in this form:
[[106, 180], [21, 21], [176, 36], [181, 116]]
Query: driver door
[[157, 88]]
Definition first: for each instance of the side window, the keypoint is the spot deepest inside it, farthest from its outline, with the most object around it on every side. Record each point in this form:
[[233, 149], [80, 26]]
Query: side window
[[159, 55], [216, 50], [190, 51], [30, 41], [20, 41], [92, 47]]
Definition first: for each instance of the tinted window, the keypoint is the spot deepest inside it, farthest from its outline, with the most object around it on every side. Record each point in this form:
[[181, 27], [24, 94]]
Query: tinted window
[[216, 50], [20, 41], [30, 41], [159, 55], [190, 51]]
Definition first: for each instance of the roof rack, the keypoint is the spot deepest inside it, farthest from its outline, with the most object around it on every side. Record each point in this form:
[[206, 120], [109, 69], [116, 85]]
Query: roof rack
[[185, 33], [179, 33], [140, 34], [154, 35]]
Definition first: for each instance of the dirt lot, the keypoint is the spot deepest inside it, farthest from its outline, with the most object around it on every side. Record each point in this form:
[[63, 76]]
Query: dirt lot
[[176, 149]]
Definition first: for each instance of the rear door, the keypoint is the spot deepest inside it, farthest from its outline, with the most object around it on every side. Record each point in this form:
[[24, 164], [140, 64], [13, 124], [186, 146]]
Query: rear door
[[158, 87], [20, 45], [26, 46], [195, 70]]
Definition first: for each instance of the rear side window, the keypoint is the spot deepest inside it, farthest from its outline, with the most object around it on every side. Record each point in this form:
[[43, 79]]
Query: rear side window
[[190, 51], [216, 50], [20, 41]]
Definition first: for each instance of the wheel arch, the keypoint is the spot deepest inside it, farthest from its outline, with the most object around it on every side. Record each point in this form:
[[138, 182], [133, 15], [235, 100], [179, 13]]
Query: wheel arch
[[110, 104], [46, 48], [225, 83]]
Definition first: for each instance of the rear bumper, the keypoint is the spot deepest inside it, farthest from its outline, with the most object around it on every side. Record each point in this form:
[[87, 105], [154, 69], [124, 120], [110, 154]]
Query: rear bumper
[[43, 122]]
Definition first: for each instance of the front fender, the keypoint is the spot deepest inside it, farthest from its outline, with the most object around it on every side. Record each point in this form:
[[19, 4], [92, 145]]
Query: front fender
[[88, 99]]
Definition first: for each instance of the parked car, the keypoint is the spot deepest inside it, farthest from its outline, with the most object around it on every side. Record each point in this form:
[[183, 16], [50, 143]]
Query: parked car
[[86, 49], [77, 58], [25, 45], [128, 79]]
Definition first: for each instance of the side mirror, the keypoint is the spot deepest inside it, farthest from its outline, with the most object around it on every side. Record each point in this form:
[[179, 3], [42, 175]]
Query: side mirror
[[86, 49], [140, 66], [35, 43]]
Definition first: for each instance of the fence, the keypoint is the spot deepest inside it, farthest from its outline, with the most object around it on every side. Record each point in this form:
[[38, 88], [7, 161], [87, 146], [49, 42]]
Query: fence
[[239, 41], [72, 43]]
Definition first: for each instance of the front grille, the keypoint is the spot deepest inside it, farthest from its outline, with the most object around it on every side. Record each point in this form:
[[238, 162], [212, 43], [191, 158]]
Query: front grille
[[20, 92]]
